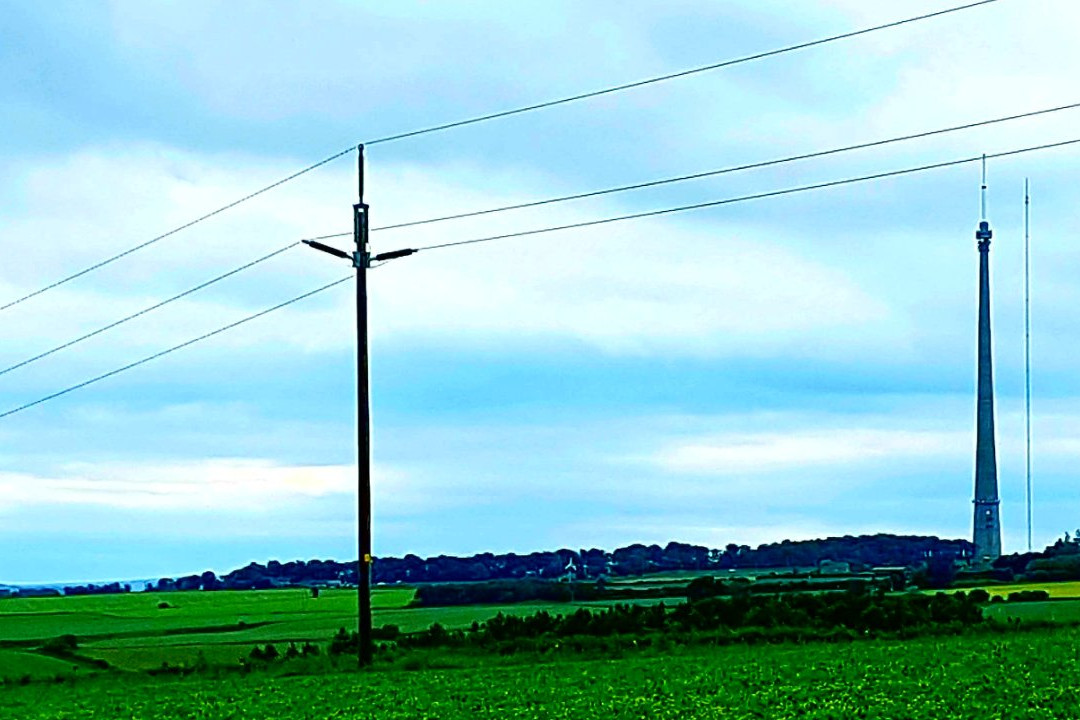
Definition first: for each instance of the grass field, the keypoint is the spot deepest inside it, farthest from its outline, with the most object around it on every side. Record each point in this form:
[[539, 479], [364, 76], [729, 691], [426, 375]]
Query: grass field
[[1055, 589], [131, 632], [1014, 675]]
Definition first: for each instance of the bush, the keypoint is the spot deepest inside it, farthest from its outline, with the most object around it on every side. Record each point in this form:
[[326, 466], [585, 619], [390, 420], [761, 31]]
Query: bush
[[386, 632], [1029, 596], [344, 643], [63, 646], [264, 654]]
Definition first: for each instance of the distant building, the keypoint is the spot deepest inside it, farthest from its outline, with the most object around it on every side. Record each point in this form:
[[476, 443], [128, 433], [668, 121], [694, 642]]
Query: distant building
[[833, 567], [320, 584]]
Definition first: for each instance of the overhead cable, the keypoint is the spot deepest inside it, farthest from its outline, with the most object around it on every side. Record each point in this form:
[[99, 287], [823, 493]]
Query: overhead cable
[[185, 226], [745, 198], [174, 348], [560, 199], [488, 117], [653, 213], [672, 76], [149, 309], [721, 171]]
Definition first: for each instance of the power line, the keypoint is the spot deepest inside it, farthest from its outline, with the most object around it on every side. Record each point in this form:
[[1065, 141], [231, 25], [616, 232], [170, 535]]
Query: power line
[[721, 171], [744, 198], [715, 203], [174, 231], [485, 118], [554, 200], [146, 310], [671, 76], [174, 348]]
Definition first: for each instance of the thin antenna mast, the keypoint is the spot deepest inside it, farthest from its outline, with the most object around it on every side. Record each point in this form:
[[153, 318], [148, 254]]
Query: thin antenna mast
[[1027, 351], [983, 190]]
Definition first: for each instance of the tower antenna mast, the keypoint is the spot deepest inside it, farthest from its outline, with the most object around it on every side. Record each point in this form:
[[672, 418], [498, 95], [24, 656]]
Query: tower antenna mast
[[1027, 352], [982, 192], [987, 521]]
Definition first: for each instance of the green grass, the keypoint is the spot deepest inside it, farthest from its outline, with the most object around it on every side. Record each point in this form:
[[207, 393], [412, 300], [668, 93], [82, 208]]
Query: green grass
[[1055, 611], [16, 663], [1015, 675], [1055, 589], [131, 632]]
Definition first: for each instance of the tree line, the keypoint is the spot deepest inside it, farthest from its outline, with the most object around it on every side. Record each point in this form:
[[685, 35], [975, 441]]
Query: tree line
[[742, 618], [859, 552]]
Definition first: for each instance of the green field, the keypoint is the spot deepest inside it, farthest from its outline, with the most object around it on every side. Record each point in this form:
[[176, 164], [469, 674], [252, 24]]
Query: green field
[[1015, 675], [131, 632], [1012, 673], [1055, 589]]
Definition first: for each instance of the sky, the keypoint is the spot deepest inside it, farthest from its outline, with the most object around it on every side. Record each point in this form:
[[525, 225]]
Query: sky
[[790, 367]]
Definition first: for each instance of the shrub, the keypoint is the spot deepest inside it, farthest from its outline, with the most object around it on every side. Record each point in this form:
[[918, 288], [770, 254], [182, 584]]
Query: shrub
[[264, 654], [1029, 596], [344, 643], [63, 645]]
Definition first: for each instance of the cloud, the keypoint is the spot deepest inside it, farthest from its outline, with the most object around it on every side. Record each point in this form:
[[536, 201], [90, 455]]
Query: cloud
[[783, 367], [838, 447], [233, 486], [713, 287]]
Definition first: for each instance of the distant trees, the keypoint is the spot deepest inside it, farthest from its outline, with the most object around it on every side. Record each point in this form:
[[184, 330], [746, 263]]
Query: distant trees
[[860, 552], [105, 589], [1060, 567], [1060, 561], [503, 592]]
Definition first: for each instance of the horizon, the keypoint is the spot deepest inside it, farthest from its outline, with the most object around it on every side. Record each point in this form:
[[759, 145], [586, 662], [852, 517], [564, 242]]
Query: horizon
[[795, 366], [220, 572]]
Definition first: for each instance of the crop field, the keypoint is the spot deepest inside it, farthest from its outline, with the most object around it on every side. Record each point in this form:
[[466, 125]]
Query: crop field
[[131, 631], [1055, 589], [1016, 675], [143, 631]]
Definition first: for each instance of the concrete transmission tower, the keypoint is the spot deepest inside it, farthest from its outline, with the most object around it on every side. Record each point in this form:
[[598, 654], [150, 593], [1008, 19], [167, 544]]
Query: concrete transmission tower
[[987, 521]]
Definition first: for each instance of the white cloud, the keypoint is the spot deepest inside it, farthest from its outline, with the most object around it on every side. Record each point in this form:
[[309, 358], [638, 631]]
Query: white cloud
[[715, 288], [876, 279], [802, 449], [240, 486]]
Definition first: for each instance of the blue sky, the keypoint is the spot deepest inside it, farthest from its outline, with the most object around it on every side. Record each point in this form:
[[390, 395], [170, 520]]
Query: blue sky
[[784, 368]]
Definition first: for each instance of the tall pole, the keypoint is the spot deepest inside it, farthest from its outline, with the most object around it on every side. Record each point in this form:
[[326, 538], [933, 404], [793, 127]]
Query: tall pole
[[987, 530], [1027, 354], [987, 522], [363, 419]]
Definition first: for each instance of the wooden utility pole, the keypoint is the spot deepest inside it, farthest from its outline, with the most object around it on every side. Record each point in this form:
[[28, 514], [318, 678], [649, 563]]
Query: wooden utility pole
[[361, 261]]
